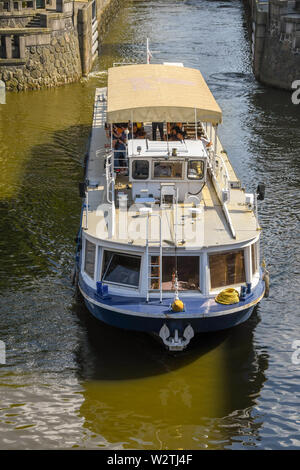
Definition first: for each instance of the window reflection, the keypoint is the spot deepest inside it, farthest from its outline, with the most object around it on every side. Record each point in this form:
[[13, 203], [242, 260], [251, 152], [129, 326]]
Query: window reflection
[[195, 170], [164, 170], [121, 268]]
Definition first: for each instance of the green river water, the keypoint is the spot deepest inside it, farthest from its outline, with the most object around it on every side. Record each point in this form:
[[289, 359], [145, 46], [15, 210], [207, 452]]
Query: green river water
[[72, 382]]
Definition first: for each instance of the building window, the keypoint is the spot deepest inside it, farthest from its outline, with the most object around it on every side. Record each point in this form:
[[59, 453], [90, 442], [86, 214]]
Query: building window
[[15, 47], [227, 268], [121, 269], [2, 48], [140, 169], [89, 260], [195, 170]]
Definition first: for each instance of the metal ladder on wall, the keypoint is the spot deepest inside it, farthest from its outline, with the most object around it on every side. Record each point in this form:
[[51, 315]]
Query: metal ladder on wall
[[150, 266]]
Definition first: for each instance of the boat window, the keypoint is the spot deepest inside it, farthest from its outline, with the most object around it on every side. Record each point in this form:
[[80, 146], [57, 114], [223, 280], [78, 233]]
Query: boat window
[[187, 271], [195, 169], [165, 170], [254, 258], [140, 169], [227, 268], [89, 260], [121, 268]]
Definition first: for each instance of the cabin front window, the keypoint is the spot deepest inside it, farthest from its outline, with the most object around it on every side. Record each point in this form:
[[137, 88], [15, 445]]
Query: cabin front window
[[227, 268], [89, 260], [140, 169], [165, 170], [121, 269], [187, 271], [195, 170]]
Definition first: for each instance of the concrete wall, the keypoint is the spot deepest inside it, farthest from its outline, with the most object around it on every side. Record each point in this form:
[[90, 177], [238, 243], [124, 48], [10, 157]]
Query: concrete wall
[[276, 41]]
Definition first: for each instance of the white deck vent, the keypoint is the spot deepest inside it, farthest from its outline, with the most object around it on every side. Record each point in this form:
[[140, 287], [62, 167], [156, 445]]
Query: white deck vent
[[158, 146]]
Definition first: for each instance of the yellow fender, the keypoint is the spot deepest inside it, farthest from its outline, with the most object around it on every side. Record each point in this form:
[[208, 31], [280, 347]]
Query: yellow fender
[[177, 306]]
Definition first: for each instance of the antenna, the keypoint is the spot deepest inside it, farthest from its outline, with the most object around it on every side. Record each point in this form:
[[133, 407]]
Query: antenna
[[149, 55]]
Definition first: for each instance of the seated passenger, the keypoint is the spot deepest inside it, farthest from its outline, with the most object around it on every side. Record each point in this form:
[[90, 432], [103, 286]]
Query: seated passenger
[[130, 131], [172, 135], [140, 134]]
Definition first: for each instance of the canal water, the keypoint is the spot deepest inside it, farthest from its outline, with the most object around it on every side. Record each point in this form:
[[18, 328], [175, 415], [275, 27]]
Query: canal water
[[72, 382]]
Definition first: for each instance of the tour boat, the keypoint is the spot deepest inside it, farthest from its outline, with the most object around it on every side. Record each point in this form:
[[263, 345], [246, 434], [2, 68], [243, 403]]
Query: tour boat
[[169, 239]]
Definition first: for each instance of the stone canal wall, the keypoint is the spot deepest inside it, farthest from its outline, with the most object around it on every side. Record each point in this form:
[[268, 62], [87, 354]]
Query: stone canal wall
[[276, 41], [47, 45]]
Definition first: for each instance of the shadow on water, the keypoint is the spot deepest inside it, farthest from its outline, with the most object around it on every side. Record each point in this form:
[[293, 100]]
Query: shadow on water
[[111, 353], [40, 219], [137, 395]]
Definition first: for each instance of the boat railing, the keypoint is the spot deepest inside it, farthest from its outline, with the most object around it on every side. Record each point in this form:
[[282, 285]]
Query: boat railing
[[149, 214], [120, 160], [220, 178]]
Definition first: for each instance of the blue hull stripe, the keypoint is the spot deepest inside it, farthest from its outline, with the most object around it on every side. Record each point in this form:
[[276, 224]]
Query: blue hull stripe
[[194, 307], [150, 324]]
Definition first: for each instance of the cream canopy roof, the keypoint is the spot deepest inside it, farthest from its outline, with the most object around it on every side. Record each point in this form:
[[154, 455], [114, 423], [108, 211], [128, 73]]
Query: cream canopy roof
[[154, 92]]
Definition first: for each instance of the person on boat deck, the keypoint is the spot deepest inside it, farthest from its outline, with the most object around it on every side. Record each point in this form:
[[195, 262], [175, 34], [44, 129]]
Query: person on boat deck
[[172, 135], [206, 142], [120, 153], [140, 134], [176, 135], [130, 131], [160, 127], [119, 139], [179, 129]]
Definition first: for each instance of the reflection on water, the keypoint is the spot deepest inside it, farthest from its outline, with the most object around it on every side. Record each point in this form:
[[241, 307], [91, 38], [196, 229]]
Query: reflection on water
[[71, 381], [145, 397]]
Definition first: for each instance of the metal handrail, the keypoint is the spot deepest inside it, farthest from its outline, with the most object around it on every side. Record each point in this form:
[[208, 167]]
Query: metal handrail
[[149, 214]]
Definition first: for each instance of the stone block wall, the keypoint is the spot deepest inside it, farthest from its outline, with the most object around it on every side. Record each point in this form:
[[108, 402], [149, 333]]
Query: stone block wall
[[50, 47], [276, 41]]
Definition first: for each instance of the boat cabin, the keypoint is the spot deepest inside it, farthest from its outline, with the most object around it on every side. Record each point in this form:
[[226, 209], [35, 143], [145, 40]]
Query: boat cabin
[[160, 170]]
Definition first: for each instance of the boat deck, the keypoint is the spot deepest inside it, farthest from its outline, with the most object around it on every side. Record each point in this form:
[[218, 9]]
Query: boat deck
[[211, 225]]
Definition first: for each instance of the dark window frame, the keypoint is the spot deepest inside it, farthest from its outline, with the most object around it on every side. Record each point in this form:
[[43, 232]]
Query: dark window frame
[[86, 260], [133, 169], [105, 268]]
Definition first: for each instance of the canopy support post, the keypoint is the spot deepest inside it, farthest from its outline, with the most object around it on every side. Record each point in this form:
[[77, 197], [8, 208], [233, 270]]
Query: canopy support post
[[168, 140], [112, 149], [196, 136], [216, 138]]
